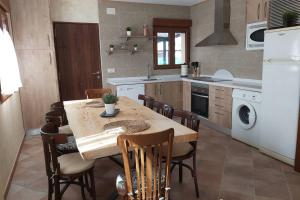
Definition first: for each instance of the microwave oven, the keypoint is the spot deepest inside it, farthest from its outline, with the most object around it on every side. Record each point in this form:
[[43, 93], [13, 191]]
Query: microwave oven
[[256, 35]]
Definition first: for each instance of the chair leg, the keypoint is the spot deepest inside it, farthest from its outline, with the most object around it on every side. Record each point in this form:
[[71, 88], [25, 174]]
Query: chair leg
[[195, 175], [87, 184], [82, 187], [57, 188], [50, 189], [93, 188], [180, 171]]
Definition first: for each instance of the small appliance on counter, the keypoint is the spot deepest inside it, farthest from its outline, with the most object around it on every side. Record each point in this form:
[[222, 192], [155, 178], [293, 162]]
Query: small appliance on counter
[[184, 71], [196, 69]]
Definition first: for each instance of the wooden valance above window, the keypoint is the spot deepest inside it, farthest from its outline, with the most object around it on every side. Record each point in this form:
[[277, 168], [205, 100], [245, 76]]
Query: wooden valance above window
[[178, 23]]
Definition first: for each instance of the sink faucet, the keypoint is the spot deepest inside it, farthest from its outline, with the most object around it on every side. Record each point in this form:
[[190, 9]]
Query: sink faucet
[[148, 72]]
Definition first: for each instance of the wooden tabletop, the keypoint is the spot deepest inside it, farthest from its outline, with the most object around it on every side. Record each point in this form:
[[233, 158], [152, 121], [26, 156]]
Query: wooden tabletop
[[94, 142]]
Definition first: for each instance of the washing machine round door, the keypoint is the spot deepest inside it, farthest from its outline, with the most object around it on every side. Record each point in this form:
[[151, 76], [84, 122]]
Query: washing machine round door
[[246, 115]]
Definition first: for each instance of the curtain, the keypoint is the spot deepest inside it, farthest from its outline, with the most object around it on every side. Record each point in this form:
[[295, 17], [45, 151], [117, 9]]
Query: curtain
[[9, 69]]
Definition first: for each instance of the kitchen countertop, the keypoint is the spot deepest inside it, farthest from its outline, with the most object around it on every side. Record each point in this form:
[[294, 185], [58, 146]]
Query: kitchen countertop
[[243, 84]]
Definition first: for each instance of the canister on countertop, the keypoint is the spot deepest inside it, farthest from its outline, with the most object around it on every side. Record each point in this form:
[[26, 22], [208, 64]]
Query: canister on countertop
[[184, 70]]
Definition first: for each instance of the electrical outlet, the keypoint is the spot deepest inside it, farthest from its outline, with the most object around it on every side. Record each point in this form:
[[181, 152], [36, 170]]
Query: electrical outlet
[[110, 11], [111, 70]]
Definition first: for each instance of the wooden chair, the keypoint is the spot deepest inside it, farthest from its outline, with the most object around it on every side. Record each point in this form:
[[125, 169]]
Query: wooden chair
[[184, 151], [148, 101], [163, 109], [55, 117], [59, 106], [96, 93], [149, 180], [65, 169]]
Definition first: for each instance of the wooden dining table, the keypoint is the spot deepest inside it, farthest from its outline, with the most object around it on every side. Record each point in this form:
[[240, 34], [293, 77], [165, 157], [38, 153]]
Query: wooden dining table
[[93, 141]]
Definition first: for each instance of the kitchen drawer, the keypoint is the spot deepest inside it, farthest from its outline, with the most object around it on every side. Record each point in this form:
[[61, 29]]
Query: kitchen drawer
[[219, 92], [220, 117], [223, 104]]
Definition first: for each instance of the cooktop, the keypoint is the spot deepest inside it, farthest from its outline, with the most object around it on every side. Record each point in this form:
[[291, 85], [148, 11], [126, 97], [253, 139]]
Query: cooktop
[[209, 79]]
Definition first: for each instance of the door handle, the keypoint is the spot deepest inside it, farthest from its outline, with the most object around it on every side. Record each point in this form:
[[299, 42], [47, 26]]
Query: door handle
[[96, 73]]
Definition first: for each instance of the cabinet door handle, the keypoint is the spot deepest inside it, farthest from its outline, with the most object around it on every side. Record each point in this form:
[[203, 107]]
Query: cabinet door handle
[[217, 113], [266, 10], [219, 106], [220, 90], [49, 41], [219, 97], [258, 11], [50, 58], [160, 89]]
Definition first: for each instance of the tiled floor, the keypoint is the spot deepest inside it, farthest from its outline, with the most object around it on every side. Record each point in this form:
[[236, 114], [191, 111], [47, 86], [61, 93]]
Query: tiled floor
[[227, 170]]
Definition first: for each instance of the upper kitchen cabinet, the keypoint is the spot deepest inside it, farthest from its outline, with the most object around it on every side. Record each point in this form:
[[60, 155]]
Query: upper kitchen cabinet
[[257, 11], [31, 24]]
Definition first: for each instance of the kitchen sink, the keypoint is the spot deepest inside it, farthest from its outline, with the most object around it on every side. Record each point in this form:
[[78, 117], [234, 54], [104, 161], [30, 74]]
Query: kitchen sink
[[150, 79]]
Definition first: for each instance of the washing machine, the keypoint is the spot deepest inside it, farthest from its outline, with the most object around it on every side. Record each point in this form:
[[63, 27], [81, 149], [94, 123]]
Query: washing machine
[[246, 116]]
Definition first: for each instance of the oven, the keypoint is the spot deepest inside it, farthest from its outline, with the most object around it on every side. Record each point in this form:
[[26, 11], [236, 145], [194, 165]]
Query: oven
[[200, 99], [256, 35]]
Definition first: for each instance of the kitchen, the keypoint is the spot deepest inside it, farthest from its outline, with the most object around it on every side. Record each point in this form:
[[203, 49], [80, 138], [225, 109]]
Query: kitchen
[[209, 57]]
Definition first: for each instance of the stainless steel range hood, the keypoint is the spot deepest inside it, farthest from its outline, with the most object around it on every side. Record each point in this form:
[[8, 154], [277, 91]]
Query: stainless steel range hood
[[222, 34]]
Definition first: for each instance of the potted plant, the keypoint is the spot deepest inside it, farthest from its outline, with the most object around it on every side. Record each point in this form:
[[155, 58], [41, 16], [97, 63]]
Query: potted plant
[[110, 101], [128, 31], [290, 18], [135, 47], [111, 48]]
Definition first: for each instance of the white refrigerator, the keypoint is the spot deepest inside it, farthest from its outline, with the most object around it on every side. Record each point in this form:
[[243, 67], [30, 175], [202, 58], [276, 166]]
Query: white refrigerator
[[280, 94]]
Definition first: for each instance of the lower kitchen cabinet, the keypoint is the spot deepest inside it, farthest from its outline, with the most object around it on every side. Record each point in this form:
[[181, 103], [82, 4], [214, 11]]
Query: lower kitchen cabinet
[[167, 92], [186, 96], [220, 105]]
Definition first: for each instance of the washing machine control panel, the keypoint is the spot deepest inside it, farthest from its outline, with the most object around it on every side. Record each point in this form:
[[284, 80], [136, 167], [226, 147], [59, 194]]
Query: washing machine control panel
[[246, 95]]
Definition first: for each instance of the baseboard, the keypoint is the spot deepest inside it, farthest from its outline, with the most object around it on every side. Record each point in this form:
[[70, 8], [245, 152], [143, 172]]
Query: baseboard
[[13, 169], [277, 156]]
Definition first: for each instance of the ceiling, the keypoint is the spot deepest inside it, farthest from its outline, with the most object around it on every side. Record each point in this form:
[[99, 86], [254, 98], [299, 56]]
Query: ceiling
[[165, 2]]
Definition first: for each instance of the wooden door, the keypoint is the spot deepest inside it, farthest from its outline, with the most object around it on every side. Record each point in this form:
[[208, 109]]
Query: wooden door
[[78, 58], [254, 10], [31, 24]]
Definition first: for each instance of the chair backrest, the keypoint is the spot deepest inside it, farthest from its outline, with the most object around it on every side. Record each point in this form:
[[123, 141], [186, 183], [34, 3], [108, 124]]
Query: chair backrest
[[163, 109], [153, 180], [96, 93], [188, 119], [50, 137], [56, 117], [59, 106], [148, 101]]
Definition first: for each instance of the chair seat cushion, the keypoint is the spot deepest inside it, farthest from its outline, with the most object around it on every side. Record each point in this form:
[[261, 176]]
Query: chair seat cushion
[[65, 130], [179, 149], [73, 163], [69, 146]]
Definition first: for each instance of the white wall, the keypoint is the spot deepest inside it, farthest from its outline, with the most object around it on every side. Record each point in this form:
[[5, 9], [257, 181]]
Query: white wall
[[11, 134], [74, 11]]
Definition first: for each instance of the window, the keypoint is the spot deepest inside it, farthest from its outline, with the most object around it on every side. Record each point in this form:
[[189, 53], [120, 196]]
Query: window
[[171, 43], [9, 69]]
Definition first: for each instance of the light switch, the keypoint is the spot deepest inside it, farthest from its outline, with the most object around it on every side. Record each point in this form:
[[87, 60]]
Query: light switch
[[111, 11], [111, 70]]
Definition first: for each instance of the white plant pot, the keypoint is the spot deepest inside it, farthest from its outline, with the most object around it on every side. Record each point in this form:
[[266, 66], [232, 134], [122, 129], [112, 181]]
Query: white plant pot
[[111, 49], [135, 49], [110, 109], [128, 33]]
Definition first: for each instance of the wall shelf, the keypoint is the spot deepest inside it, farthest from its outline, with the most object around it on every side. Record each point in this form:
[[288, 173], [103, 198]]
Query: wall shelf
[[135, 37], [129, 51]]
